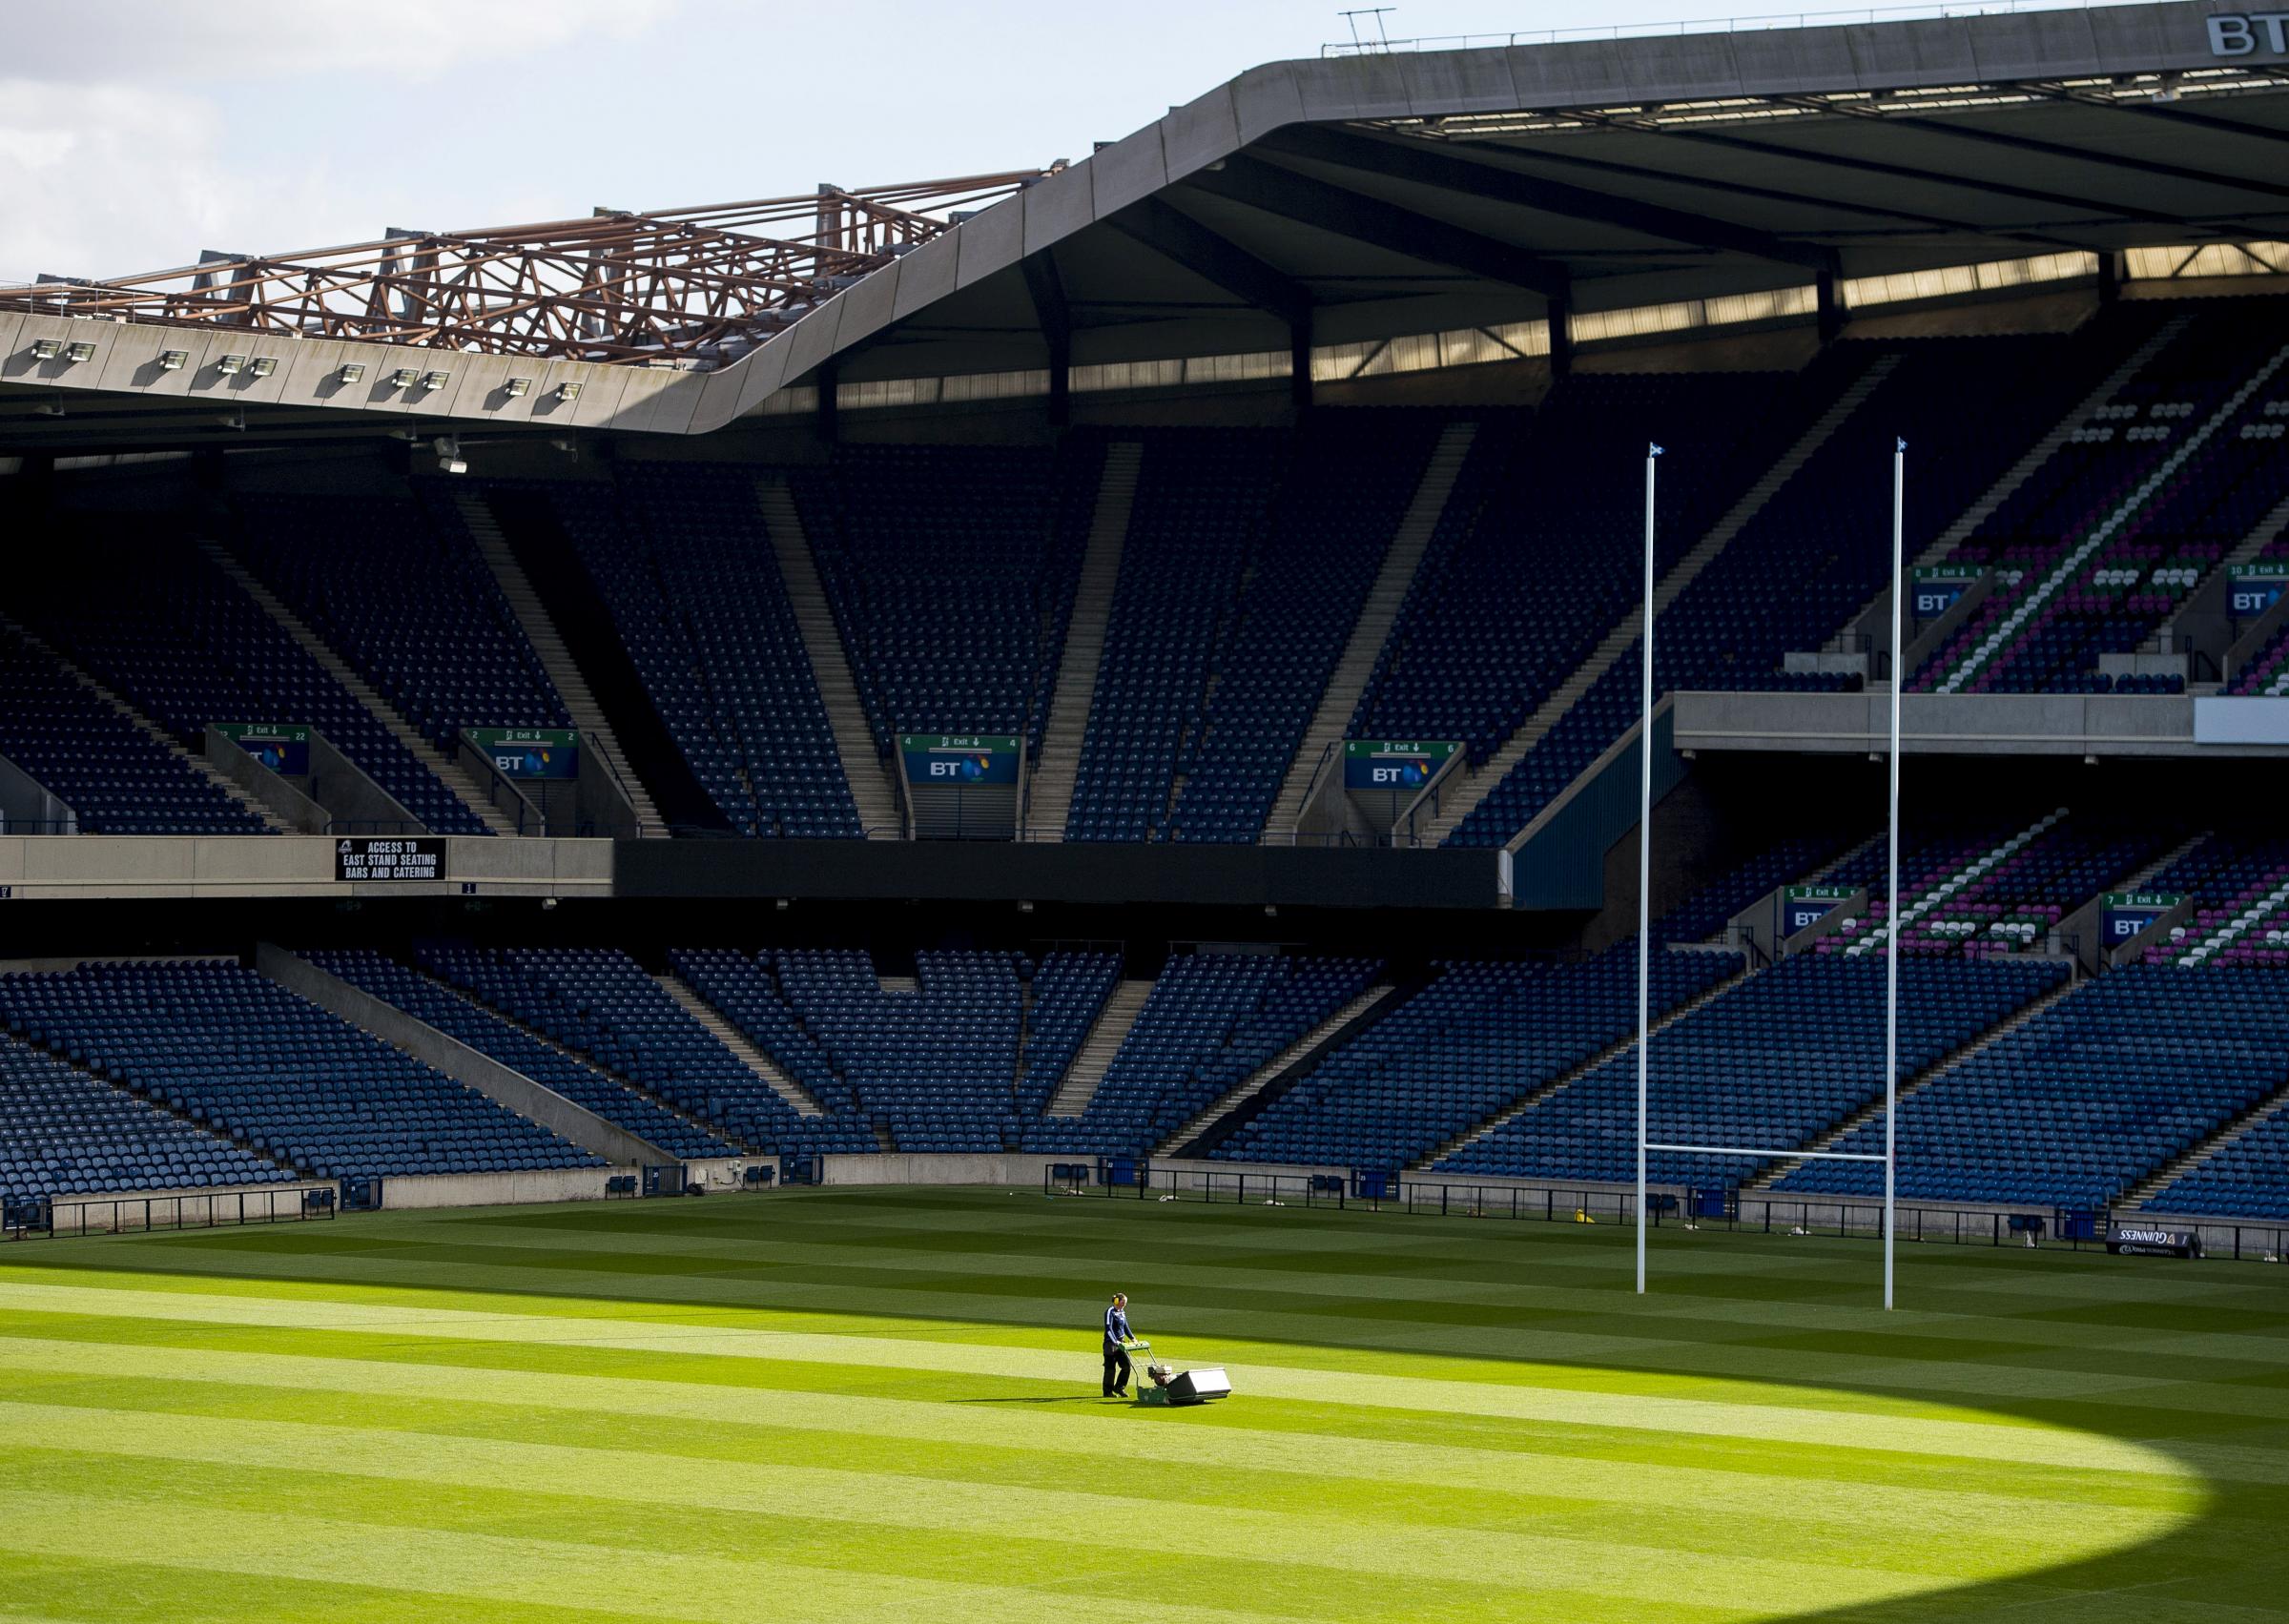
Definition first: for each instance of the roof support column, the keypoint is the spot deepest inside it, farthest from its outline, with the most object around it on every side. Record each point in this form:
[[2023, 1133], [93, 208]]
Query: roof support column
[[1561, 336], [830, 424], [1047, 288], [1827, 307], [2113, 270], [1299, 361], [1061, 381]]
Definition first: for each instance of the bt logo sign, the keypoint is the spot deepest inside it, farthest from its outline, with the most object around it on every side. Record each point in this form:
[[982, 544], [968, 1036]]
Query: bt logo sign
[[2239, 33], [1405, 775]]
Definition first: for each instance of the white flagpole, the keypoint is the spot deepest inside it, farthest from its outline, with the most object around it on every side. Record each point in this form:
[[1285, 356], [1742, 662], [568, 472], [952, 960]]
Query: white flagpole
[[1644, 860], [1892, 972]]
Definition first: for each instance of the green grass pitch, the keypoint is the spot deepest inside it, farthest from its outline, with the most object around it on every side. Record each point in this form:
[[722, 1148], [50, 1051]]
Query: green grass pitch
[[882, 1404]]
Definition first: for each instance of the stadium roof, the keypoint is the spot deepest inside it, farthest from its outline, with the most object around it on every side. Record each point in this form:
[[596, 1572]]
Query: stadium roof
[[1360, 200]]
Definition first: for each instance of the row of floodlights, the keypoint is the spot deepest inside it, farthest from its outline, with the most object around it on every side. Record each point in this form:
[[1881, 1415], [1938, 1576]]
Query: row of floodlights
[[262, 366]]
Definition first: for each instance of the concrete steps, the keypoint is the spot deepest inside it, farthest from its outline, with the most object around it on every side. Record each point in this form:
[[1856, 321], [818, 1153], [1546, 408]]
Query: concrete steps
[[743, 1048], [1079, 1085], [2029, 596], [1910, 1086], [2243, 551], [1914, 905], [170, 1111], [447, 773], [571, 1054], [153, 731], [1462, 797], [1612, 1051], [2143, 1193], [862, 766], [1261, 1079], [1377, 615], [1050, 797], [2021, 472], [556, 658]]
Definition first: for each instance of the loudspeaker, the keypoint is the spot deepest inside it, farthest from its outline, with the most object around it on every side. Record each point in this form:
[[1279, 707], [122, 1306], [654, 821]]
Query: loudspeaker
[[1198, 1387]]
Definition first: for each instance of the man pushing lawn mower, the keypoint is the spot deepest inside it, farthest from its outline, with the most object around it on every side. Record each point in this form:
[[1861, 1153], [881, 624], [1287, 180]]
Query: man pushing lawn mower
[[1163, 1384]]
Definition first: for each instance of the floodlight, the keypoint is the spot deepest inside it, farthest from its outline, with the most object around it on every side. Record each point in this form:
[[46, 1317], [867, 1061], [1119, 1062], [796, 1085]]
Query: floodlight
[[568, 392], [433, 381], [172, 360], [352, 372], [262, 366], [448, 454], [404, 378], [230, 366], [517, 389], [79, 352], [46, 349]]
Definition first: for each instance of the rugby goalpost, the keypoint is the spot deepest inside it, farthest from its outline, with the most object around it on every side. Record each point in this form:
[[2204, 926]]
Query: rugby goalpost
[[1891, 920]]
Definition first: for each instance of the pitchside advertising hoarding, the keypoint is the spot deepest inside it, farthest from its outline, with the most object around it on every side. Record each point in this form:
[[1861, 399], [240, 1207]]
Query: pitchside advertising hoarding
[[1394, 764], [2153, 1240], [1806, 905], [959, 760], [284, 748], [2124, 914], [2253, 589], [529, 752], [1933, 588]]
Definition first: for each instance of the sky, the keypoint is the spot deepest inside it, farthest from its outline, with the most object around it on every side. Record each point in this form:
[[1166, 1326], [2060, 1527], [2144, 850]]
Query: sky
[[135, 133]]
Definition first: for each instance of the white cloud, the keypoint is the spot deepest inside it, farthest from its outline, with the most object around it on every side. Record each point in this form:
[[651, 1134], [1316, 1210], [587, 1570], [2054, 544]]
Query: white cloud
[[111, 40], [95, 176]]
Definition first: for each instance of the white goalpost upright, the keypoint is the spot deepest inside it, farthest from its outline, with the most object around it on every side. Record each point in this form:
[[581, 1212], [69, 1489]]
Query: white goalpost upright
[[1891, 921]]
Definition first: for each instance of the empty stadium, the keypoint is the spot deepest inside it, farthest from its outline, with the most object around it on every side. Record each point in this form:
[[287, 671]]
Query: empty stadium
[[642, 856]]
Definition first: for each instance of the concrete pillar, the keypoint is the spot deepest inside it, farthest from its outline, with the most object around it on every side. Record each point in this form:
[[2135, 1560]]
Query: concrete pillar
[[828, 382], [1299, 363]]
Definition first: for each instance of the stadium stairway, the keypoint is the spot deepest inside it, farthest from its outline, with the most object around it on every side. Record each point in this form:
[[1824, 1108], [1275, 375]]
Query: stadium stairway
[[1873, 1110], [1916, 904], [66, 1133], [1380, 612], [2254, 910], [2032, 595], [1610, 1053], [1945, 543], [102, 1085], [742, 1047], [2170, 636], [580, 1056], [1458, 803], [556, 659], [2252, 1122], [862, 766], [150, 729], [1877, 612], [1049, 796], [1282, 1071], [1079, 1085], [447, 773]]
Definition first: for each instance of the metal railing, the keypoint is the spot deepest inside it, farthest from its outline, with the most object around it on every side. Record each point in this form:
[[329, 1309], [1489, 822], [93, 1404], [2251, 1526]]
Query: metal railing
[[1832, 1216], [1752, 23], [135, 1215]]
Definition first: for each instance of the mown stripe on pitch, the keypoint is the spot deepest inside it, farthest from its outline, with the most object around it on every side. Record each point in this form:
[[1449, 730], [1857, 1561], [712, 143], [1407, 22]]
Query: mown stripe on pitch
[[397, 1491], [488, 1568], [1249, 1462], [1489, 1324], [1995, 1440]]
